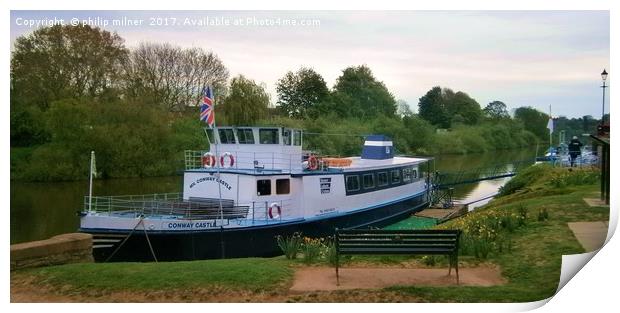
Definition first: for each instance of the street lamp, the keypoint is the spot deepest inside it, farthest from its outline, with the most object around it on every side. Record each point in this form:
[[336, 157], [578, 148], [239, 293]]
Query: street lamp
[[604, 77]]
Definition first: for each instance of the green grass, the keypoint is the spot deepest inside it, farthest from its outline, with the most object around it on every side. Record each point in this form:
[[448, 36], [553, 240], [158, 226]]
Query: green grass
[[533, 266], [252, 274], [413, 222]]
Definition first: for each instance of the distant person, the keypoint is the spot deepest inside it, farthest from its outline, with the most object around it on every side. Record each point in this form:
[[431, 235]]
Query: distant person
[[574, 150]]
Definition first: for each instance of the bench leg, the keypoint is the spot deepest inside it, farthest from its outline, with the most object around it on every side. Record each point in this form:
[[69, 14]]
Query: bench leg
[[450, 266], [456, 264], [337, 263]]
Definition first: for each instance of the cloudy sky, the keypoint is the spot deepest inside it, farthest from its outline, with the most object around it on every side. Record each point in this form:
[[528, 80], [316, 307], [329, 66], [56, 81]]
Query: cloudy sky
[[523, 58]]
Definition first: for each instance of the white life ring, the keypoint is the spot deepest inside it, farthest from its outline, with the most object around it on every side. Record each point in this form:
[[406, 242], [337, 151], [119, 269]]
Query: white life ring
[[277, 208], [230, 157], [208, 160]]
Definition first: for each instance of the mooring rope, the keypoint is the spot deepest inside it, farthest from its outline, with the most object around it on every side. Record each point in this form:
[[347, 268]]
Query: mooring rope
[[129, 235]]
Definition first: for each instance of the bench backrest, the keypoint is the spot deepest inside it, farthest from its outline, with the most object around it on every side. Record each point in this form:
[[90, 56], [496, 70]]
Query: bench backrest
[[378, 241]]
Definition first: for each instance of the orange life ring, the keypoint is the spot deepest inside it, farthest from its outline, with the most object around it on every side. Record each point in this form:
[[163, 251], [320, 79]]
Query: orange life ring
[[208, 160], [277, 208], [313, 163], [230, 156]]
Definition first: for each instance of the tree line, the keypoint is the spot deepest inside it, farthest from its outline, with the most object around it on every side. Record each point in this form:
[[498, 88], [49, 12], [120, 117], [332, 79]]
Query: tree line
[[79, 88]]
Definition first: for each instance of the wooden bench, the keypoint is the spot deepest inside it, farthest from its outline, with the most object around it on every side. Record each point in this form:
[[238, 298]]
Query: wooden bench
[[412, 242]]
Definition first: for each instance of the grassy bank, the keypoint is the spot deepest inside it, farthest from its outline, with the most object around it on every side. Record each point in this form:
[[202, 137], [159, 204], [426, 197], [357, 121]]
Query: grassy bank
[[528, 252]]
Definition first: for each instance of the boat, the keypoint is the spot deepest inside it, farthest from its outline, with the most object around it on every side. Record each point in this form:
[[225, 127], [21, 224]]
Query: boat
[[253, 185]]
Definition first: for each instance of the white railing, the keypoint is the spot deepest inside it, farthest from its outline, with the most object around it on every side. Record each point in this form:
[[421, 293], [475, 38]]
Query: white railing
[[172, 204], [248, 160]]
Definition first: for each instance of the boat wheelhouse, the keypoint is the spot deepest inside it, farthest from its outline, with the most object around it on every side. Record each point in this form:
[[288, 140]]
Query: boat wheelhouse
[[253, 184]]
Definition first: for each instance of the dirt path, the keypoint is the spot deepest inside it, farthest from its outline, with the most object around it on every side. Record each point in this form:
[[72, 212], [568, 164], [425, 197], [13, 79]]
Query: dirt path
[[311, 284], [324, 278]]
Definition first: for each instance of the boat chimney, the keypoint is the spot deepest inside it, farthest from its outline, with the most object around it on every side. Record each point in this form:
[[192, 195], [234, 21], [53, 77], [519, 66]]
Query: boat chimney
[[378, 147]]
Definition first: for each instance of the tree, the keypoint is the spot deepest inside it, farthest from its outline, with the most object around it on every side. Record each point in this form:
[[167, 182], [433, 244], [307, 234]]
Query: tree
[[403, 109], [60, 62], [431, 108], [496, 110], [299, 93], [534, 121], [173, 77], [364, 96], [442, 107], [245, 103], [461, 105]]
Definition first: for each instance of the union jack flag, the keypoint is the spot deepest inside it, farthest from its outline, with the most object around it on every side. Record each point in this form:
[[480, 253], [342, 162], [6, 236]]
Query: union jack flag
[[206, 109]]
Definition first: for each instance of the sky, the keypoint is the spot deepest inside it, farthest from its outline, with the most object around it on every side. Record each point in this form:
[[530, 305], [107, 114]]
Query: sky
[[522, 58]]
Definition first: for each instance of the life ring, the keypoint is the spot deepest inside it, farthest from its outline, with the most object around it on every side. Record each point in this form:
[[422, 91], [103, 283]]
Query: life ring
[[313, 163], [208, 160], [230, 156], [274, 206]]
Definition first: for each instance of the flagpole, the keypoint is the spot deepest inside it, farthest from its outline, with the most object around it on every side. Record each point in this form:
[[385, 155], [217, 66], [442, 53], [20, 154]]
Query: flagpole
[[217, 143], [90, 185], [550, 129]]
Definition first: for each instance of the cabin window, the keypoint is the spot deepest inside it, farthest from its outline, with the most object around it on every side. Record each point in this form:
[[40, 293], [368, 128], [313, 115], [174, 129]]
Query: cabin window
[[369, 181], [286, 137], [268, 136], [406, 174], [353, 183], [382, 178], [297, 137], [245, 135], [263, 187], [395, 176], [283, 186], [415, 173], [227, 136]]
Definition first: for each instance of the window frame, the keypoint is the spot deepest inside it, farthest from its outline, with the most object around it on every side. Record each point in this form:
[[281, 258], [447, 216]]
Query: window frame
[[398, 176], [407, 175], [357, 178], [227, 132], [387, 179], [296, 137], [245, 132], [288, 188], [277, 136], [372, 176], [257, 187]]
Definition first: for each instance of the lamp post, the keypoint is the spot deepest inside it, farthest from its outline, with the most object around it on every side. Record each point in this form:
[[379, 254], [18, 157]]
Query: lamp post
[[604, 77]]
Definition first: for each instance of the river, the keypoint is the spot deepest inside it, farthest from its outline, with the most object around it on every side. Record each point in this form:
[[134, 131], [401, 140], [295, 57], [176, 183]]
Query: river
[[42, 210]]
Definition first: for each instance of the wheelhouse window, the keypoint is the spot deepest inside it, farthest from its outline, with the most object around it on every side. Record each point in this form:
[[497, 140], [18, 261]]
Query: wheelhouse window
[[395, 176], [353, 183], [227, 136], [286, 137], [268, 136], [297, 137], [283, 186], [382, 179], [369, 181], [406, 175], [245, 135], [263, 187]]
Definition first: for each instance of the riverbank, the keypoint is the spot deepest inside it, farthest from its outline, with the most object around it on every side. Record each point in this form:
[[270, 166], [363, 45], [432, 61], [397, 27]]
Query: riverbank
[[529, 261]]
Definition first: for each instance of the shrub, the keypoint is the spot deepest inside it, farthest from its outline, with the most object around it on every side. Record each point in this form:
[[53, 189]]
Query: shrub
[[290, 246], [312, 249]]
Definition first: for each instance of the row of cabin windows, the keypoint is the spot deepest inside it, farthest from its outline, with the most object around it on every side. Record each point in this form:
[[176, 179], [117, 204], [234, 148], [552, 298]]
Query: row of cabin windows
[[265, 136], [382, 179], [263, 187]]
